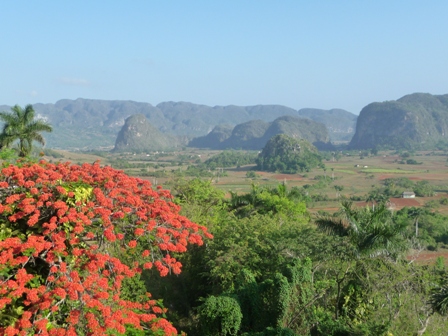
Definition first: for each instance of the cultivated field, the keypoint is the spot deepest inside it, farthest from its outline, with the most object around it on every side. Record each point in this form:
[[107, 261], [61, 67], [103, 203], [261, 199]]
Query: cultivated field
[[354, 173]]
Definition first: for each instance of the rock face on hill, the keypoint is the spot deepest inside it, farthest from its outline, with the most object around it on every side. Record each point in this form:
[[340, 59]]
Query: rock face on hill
[[255, 134], [138, 135], [414, 121]]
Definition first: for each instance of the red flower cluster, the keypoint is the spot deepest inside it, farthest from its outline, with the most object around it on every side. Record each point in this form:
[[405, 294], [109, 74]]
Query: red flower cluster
[[57, 226]]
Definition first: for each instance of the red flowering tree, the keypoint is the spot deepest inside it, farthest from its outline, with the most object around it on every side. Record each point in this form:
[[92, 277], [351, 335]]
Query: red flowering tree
[[58, 226]]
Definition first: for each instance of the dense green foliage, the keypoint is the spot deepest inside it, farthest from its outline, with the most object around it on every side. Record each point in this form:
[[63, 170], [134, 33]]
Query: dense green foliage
[[394, 187], [220, 315], [288, 155], [270, 271], [231, 159]]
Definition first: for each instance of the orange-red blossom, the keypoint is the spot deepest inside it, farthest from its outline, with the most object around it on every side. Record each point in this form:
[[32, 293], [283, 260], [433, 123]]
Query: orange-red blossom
[[54, 257]]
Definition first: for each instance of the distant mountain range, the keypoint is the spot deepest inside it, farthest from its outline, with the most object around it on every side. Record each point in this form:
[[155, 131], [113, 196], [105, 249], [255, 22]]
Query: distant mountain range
[[415, 121], [94, 124]]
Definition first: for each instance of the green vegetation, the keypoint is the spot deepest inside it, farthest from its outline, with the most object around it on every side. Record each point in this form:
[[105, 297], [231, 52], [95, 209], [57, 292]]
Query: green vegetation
[[21, 125], [429, 227], [394, 187], [271, 271], [391, 171], [288, 155], [275, 268], [231, 159]]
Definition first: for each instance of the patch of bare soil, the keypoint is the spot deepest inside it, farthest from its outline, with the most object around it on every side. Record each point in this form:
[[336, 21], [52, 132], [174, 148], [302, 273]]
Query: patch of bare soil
[[428, 257], [404, 202], [287, 177]]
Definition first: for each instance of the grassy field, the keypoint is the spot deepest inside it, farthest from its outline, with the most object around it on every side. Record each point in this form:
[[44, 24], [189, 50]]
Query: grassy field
[[357, 175]]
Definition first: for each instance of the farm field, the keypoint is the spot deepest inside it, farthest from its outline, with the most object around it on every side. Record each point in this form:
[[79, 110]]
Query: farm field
[[355, 174]]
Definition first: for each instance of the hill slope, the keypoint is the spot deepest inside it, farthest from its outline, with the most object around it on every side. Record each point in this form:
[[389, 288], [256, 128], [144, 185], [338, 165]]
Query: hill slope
[[255, 134], [414, 121], [340, 123], [138, 135]]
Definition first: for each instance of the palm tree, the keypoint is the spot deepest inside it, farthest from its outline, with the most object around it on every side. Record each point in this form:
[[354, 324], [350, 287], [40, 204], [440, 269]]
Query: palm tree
[[369, 235], [21, 125], [416, 213], [369, 232], [439, 298]]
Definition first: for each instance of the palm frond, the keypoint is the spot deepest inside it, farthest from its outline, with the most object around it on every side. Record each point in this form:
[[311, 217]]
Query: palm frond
[[28, 114], [336, 227], [439, 299], [36, 137], [39, 126]]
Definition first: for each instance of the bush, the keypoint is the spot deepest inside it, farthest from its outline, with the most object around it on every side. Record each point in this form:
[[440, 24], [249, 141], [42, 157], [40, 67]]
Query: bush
[[220, 315], [251, 174]]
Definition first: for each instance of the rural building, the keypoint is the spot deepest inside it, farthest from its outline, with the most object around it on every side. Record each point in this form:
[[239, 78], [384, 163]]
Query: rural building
[[408, 194]]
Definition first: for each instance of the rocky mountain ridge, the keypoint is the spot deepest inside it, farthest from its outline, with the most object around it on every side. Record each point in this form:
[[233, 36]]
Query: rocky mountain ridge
[[95, 124]]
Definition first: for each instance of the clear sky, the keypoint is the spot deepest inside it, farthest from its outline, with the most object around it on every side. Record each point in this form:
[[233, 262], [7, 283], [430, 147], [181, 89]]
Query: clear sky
[[320, 54]]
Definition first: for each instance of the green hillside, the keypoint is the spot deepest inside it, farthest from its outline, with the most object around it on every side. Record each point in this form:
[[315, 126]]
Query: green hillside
[[416, 121], [255, 134], [285, 154]]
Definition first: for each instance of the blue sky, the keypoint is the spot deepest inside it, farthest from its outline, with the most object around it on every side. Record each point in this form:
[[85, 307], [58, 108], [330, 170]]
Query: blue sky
[[320, 54]]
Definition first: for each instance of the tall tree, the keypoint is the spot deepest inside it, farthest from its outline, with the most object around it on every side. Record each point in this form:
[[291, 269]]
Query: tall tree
[[370, 232], [21, 125]]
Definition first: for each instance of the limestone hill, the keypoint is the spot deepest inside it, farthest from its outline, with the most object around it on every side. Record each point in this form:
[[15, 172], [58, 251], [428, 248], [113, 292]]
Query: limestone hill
[[138, 135], [415, 121]]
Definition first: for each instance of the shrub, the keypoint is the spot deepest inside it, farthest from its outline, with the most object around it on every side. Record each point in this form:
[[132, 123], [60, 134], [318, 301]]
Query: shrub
[[220, 315]]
